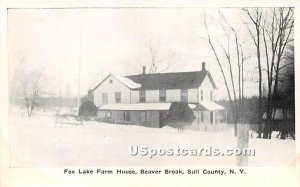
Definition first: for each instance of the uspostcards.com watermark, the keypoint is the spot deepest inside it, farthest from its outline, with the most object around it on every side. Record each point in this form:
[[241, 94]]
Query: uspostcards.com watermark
[[181, 151]]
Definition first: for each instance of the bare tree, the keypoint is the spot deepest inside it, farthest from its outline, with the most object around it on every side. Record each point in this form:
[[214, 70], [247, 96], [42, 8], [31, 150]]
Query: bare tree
[[157, 64], [285, 28], [154, 59], [255, 16], [239, 106], [235, 105], [279, 36], [275, 26], [243, 58], [26, 87], [32, 87], [227, 53]]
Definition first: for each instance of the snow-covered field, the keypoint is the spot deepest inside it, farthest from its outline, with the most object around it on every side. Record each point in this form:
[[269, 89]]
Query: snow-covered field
[[38, 142]]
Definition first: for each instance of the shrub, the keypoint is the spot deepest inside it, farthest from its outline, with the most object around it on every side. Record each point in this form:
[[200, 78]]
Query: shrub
[[180, 115], [88, 109]]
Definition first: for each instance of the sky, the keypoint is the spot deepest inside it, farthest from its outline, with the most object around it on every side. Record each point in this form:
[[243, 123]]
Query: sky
[[66, 43]]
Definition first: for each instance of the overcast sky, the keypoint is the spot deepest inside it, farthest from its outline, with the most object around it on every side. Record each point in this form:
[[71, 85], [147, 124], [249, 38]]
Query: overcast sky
[[116, 40]]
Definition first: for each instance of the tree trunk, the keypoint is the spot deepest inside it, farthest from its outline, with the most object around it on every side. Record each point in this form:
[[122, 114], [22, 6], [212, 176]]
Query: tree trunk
[[259, 80]]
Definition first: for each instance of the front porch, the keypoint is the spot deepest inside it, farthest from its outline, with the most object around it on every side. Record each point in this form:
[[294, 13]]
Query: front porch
[[208, 115]]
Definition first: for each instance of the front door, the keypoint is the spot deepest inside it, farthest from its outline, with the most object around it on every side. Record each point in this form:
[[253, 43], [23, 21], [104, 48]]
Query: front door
[[162, 118], [126, 115]]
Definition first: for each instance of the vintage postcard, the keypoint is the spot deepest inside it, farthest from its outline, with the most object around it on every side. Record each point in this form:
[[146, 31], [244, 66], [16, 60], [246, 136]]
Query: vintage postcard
[[151, 91]]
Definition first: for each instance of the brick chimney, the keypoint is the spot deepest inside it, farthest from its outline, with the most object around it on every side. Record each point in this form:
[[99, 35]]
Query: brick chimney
[[144, 69], [203, 66]]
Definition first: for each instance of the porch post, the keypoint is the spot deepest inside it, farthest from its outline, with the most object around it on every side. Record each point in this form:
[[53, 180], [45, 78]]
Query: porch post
[[215, 117]]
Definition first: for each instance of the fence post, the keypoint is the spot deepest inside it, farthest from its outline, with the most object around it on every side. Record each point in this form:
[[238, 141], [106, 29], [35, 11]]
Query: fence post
[[242, 143]]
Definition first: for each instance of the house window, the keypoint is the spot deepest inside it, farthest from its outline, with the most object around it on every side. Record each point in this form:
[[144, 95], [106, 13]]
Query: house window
[[201, 95], [142, 116], [107, 114], [211, 95], [277, 113], [142, 96], [162, 95], [184, 95], [202, 117], [110, 81], [118, 97], [211, 117], [104, 98]]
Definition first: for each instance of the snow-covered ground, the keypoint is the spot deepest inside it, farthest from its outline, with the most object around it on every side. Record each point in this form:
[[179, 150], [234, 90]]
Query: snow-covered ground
[[37, 141]]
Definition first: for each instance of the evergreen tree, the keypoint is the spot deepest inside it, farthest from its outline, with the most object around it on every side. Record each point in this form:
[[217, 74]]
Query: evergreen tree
[[180, 115]]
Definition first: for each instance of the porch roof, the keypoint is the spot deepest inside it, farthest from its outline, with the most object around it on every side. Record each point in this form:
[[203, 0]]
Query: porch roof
[[138, 106], [208, 105], [202, 106]]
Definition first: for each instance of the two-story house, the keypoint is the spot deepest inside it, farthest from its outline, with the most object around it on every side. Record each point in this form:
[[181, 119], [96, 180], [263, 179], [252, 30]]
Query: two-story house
[[145, 99]]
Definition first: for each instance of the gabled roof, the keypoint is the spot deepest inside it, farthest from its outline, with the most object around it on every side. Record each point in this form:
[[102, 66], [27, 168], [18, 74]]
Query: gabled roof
[[126, 81], [180, 80]]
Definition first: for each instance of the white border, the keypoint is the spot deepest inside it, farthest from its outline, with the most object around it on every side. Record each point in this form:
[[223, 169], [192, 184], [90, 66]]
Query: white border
[[53, 176]]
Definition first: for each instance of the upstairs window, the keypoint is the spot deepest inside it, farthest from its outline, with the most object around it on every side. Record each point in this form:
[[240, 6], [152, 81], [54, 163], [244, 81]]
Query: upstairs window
[[104, 98], [162, 95], [184, 95], [211, 95], [142, 96], [118, 97], [201, 95]]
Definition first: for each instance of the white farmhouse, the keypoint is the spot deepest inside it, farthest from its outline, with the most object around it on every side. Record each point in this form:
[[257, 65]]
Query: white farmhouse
[[145, 99]]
